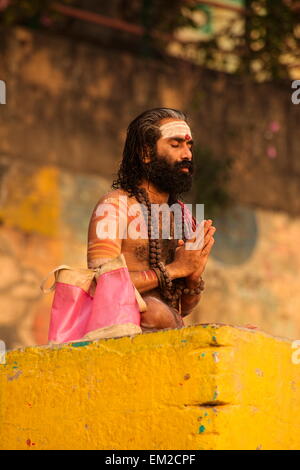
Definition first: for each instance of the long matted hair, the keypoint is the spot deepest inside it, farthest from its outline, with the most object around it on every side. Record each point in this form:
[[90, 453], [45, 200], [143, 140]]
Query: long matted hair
[[142, 132]]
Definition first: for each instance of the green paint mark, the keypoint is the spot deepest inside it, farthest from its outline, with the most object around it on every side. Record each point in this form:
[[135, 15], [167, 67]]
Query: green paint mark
[[215, 395], [15, 367], [205, 414], [184, 340], [214, 338], [80, 344], [203, 354], [201, 429]]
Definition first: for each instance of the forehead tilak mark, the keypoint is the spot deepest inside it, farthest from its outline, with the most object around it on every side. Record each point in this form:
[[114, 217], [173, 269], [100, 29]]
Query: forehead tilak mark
[[174, 128]]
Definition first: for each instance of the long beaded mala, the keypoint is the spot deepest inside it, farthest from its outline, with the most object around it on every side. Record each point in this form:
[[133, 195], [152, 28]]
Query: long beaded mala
[[170, 290]]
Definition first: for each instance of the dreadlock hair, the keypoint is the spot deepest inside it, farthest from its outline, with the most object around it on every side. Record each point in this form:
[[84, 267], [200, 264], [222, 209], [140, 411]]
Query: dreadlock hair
[[142, 132]]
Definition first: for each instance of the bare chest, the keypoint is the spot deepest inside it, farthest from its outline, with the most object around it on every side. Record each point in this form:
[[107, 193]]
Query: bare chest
[[136, 251]]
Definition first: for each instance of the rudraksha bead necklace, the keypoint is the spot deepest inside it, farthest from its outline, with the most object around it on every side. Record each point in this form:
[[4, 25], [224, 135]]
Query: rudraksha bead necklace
[[170, 290]]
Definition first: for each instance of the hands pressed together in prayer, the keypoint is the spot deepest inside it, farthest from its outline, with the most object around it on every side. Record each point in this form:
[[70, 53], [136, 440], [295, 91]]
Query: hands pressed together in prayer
[[190, 263]]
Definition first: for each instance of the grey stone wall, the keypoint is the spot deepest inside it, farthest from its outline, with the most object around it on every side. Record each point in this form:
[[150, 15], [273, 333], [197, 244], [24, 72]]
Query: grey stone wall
[[69, 103]]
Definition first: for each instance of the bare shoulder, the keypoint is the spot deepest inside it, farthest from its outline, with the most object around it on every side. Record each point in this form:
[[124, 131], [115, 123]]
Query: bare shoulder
[[111, 197], [118, 197]]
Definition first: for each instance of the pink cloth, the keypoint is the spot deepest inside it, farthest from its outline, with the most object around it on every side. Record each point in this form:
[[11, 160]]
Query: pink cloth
[[75, 313], [114, 301], [187, 216]]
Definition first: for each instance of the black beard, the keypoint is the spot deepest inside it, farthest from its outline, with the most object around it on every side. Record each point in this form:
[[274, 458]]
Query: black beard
[[169, 178]]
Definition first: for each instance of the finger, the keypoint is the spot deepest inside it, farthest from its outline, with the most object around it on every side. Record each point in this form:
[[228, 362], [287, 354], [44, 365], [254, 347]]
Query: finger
[[202, 236], [201, 226], [210, 232], [207, 225], [200, 232], [204, 224], [208, 247], [204, 227], [209, 235]]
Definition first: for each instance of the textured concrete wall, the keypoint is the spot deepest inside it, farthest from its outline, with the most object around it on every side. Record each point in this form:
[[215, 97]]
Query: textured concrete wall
[[203, 387], [69, 103]]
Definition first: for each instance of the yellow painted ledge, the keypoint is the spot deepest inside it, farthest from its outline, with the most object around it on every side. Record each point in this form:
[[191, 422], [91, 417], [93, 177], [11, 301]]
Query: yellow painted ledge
[[210, 386]]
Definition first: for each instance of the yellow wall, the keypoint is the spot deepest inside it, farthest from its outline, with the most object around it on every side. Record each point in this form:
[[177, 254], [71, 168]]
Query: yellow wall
[[209, 386]]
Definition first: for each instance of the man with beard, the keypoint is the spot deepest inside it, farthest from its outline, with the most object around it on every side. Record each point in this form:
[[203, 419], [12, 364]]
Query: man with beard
[[157, 167]]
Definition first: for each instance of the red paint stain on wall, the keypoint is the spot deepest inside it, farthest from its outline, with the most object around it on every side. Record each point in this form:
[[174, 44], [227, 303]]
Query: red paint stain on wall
[[29, 443]]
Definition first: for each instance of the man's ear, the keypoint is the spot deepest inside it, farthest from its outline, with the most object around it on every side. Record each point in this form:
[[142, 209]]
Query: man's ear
[[146, 154]]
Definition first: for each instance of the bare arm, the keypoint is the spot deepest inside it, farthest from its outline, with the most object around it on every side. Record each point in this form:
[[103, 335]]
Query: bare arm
[[147, 280], [143, 280], [189, 302]]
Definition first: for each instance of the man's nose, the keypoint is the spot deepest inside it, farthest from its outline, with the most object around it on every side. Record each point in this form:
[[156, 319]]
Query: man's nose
[[186, 153]]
